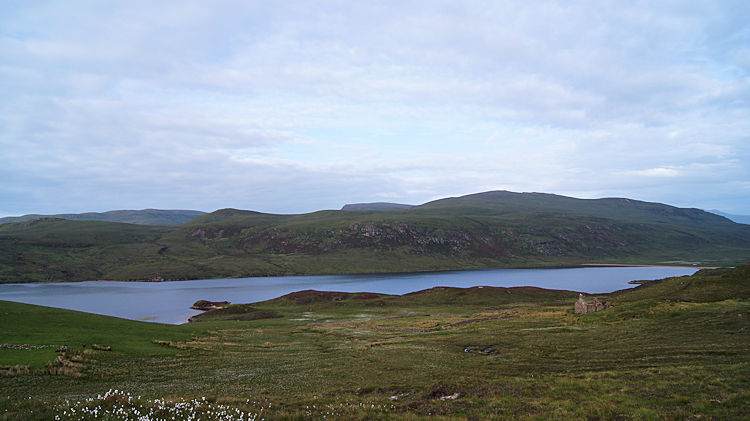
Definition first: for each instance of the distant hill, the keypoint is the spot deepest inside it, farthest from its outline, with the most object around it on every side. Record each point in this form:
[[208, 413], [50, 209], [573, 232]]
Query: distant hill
[[375, 206], [139, 217], [742, 219], [504, 202], [491, 229]]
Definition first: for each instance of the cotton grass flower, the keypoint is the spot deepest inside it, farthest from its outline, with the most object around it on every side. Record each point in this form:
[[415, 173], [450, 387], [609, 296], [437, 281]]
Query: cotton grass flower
[[119, 405]]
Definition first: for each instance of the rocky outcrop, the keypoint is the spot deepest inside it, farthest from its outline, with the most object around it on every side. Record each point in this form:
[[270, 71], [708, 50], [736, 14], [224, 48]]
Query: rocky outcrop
[[204, 305], [582, 307]]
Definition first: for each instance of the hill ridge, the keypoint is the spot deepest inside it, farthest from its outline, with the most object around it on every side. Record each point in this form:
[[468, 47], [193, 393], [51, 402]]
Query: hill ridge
[[491, 229], [375, 206], [147, 216]]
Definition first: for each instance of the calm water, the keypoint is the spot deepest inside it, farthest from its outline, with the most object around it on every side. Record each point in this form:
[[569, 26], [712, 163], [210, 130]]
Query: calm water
[[169, 302]]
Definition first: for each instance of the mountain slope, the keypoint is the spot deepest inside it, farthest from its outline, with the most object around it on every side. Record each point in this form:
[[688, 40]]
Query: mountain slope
[[139, 217], [493, 229], [375, 206], [614, 208]]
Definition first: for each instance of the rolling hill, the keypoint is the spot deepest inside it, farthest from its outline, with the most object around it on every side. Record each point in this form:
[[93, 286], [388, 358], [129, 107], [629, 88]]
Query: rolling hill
[[492, 229], [741, 219], [375, 206], [139, 217]]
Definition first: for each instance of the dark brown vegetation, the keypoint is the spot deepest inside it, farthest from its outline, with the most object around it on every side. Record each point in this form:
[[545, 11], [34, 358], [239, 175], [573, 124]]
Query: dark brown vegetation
[[205, 305]]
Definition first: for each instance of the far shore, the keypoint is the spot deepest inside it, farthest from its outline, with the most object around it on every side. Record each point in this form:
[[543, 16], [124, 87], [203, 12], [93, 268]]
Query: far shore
[[647, 266], [571, 266]]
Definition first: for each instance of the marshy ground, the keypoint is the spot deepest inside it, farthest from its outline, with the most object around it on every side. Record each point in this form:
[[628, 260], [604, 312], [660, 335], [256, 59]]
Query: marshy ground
[[677, 348]]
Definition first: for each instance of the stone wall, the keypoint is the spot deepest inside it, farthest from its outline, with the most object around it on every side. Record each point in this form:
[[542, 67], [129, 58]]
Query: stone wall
[[582, 307]]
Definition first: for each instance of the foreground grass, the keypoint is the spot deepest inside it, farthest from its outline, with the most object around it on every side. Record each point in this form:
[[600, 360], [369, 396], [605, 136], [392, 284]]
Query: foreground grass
[[676, 348]]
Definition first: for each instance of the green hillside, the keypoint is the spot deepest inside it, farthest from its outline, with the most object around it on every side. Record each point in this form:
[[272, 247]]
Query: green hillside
[[140, 217], [615, 208], [375, 206], [493, 229]]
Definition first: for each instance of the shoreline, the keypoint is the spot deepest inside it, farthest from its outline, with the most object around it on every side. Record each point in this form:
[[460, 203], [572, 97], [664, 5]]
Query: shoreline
[[570, 266], [619, 265]]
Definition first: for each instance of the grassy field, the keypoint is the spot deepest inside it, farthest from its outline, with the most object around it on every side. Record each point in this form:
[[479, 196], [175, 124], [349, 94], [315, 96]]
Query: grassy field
[[678, 348]]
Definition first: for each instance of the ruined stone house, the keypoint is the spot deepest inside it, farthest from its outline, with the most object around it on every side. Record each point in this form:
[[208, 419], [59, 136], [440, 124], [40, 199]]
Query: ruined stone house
[[582, 307]]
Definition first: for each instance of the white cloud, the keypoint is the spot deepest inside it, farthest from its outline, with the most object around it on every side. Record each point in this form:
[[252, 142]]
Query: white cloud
[[297, 106], [655, 172]]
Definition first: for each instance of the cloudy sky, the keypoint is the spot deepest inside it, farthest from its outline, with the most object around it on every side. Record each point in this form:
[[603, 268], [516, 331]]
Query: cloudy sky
[[286, 106]]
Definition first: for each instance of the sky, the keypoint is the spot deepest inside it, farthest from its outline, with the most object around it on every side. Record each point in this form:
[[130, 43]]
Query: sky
[[297, 106]]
